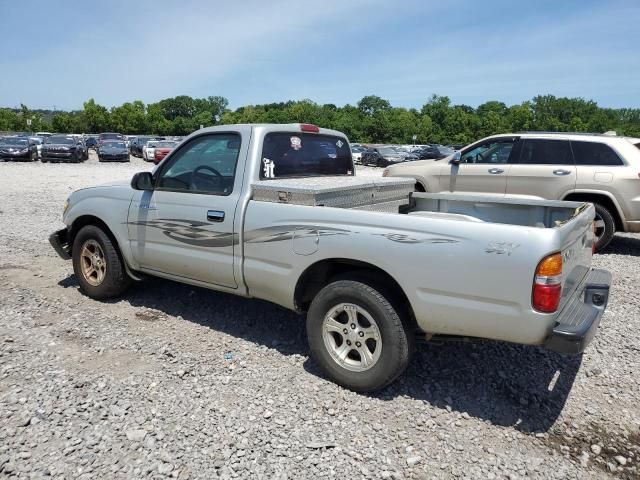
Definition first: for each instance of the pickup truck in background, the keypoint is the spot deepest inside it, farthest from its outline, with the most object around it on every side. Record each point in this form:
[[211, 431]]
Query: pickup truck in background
[[276, 212]]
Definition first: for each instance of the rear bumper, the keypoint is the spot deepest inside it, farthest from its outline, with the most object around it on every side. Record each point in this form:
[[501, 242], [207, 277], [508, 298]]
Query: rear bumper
[[579, 320], [60, 242]]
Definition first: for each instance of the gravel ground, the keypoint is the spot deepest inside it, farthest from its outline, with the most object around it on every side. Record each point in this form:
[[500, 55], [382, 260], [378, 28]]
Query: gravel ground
[[176, 381]]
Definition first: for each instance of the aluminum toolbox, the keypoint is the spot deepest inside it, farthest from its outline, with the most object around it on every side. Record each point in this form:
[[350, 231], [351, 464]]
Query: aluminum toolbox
[[341, 192]]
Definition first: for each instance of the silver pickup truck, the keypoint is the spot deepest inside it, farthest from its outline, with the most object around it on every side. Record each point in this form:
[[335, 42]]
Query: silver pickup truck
[[276, 212]]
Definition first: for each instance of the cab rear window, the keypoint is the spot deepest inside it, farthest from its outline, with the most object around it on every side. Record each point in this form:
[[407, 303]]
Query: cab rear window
[[288, 155]]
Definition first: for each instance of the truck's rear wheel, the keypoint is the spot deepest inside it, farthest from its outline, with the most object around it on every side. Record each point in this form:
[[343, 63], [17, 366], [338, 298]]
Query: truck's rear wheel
[[357, 337], [605, 227], [98, 265]]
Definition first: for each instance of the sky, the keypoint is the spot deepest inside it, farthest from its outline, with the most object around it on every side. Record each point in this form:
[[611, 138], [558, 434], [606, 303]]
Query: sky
[[61, 53]]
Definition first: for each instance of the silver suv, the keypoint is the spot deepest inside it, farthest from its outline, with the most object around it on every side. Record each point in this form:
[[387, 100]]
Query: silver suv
[[602, 169]]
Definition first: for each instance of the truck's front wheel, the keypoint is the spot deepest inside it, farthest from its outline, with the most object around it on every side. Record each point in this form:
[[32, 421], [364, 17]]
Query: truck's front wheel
[[357, 336], [98, 265]]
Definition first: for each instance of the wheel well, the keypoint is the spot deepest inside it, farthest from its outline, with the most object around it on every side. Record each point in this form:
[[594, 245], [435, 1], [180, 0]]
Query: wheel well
[[85, 220], [318, 275], [603, 200], [420, 188]]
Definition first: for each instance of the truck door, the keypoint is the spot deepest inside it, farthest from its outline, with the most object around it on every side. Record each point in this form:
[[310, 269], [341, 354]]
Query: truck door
[[185, 226], [545, 168], [483, 169]]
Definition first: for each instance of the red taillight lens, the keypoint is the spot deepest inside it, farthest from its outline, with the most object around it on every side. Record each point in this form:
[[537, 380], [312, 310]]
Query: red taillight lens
[[547, 284], [307, 127], [546, 298]]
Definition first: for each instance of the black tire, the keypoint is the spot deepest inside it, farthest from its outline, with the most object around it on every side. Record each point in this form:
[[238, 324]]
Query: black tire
[[396, 340], [116, 280], [604, 219]]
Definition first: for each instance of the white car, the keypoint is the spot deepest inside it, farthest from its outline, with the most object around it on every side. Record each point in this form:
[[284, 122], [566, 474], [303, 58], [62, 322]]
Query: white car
[[148, 150], [38, 141]]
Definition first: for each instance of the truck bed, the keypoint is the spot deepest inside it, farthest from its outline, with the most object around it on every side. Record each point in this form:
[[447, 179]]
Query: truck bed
[[529, 213]]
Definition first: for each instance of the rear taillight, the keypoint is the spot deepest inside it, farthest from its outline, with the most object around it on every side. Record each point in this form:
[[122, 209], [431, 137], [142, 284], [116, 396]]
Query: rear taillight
[[547, 284]]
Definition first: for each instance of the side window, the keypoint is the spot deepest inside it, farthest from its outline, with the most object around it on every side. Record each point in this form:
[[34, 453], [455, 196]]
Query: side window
[[207, 164], [592, 153], [546, 152], [493, 151]]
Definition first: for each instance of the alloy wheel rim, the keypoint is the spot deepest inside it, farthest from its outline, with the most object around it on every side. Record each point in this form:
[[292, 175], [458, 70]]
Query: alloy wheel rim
[[92, 263], [352, 337]]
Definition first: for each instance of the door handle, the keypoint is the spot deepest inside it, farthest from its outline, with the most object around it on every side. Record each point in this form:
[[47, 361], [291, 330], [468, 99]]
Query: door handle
[[495, 171], [561, 172], [215, 215]]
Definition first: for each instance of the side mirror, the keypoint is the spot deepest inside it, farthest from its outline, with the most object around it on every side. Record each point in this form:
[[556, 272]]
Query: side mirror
[[142, 181], [456, 159]]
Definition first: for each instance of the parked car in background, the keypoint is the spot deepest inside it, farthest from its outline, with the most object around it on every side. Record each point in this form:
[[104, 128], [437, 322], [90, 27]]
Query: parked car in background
[[384, 156], [18, 148], [356, 153], [433, 152], [162, 149], [113, 151], [61, 148], [43, 134], [600, 169], [38, 143], [80, 142], [139, 142], [91, 142], [148, 150], [108, 136]]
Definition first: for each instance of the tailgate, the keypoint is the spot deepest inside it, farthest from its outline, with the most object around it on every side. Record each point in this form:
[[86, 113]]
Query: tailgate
[[577, 239]]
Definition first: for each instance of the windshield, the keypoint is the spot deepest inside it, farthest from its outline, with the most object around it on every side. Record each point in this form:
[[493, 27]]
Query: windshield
[[60, 140], [446, 151], [387, 151], [288, 154], [111, 136], [17, 141], [165, 145], [115, 145]]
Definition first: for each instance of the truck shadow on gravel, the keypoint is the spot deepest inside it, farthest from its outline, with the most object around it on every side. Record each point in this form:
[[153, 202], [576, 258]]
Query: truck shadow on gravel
[[623, 245], [509, 385], [520, 386]]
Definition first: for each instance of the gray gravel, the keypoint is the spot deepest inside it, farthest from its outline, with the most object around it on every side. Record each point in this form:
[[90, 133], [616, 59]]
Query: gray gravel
[[180, 382]]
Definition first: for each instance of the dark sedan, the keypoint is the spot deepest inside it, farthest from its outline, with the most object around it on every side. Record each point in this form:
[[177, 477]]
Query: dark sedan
[[113, 152], [18, 148], [62, 148], [433, 152], [385, 156], [91, 142]]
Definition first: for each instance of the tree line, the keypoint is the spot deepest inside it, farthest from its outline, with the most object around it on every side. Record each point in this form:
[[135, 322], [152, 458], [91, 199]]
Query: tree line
[[371, 120]]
